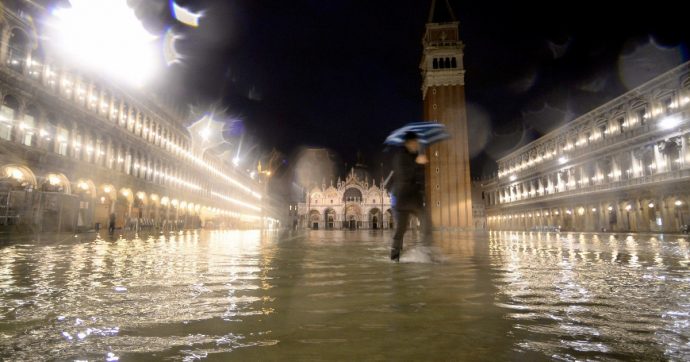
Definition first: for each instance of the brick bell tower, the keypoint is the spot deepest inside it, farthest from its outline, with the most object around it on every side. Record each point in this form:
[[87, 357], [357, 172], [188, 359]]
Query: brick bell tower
[[448, 186]]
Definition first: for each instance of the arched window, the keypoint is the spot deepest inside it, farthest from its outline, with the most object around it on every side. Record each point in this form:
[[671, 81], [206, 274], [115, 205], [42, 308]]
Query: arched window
[[105, 104], [27, 127], [18, 50], [77, 145], [447, 62], [352, 194], [435, 63], [8, 114], [125, 115], [453, 62], [115, 110], [49, 133], [62, 140], [99, 151], [88, 152]]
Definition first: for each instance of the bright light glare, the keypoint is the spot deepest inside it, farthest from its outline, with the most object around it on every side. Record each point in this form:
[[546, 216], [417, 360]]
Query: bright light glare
[[105, 36], [562, 160], [236, 161], [205, 134], [185, 16], [669, 122], [170, 53]]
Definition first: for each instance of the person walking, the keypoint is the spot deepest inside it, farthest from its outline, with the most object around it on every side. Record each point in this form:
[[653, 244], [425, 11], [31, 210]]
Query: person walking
[[111, 223], [408, 191]]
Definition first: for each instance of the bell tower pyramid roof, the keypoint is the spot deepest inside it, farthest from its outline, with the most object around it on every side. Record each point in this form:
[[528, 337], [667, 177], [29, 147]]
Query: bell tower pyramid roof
[[441, 14]]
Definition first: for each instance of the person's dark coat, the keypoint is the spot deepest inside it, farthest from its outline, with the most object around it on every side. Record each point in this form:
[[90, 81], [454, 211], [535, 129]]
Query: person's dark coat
[[408, 181]]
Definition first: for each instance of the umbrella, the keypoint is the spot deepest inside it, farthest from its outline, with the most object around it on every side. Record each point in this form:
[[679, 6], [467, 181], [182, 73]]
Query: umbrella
[[427, 133]]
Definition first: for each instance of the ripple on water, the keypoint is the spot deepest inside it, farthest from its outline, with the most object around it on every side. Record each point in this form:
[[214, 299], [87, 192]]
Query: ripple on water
[[601, 304], [336, 295]]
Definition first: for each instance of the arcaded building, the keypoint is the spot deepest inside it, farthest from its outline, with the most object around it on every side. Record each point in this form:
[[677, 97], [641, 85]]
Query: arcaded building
[[76, 148], [624, 166]]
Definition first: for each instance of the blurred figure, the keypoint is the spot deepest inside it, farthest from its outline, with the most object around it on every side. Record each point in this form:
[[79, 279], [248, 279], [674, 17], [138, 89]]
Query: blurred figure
[[111, 224], [408, 191]]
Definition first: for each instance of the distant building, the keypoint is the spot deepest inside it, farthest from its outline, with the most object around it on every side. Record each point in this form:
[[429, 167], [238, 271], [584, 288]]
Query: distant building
[[350, 204], [624, 166], [478, 207]]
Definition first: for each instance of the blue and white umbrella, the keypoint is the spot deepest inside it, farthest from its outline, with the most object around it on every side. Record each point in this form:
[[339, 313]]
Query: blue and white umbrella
[[427, 133]]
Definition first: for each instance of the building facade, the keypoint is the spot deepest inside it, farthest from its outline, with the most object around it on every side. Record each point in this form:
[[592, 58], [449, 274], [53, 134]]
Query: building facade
[[449, 195], [624, 166], [350, 204], [75, 149]]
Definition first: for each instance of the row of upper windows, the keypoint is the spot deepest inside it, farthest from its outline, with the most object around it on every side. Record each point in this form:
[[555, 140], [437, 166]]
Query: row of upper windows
[[666, 156], [20, 58], [639, 116], [52, 136]]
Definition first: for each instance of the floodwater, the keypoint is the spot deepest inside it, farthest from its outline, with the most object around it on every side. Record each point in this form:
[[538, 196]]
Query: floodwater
[[334, 295]]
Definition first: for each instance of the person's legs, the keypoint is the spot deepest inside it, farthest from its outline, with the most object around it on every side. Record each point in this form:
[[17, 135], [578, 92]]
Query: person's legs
[[425, 220], [401, 220]]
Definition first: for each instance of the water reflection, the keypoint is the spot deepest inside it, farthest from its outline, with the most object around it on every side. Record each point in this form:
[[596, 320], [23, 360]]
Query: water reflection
[[335, 295], [583, 297]]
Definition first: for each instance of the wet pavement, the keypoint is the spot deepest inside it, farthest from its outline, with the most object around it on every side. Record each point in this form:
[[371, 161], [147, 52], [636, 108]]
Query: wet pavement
[[334, 295]]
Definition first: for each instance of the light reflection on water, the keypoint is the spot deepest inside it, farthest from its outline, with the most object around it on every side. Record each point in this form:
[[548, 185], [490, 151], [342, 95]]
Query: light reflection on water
[[583, 296], [334, 295]]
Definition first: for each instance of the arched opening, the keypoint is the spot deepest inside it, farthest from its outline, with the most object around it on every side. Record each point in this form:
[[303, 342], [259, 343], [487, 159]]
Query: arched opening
[[453, 62], [86, 192], [681, 210], [56, 182], [16, 197], [375, 219], [17, 177], [154, 214], [329, 216], [58, 207], [314, 219], [104, 205], [123, 208], [353, 216], [435, 63], [388, 219]]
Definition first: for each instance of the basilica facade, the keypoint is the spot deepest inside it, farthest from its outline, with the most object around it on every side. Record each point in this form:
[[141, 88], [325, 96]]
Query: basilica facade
[[350, 204]]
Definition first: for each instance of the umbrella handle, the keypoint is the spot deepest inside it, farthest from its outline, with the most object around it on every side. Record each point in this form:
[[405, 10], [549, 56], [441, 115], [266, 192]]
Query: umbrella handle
[[385, 182]]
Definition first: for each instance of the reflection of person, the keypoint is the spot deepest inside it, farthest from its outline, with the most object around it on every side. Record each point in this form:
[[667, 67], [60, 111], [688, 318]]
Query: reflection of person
[[111, 224], [408, 190]]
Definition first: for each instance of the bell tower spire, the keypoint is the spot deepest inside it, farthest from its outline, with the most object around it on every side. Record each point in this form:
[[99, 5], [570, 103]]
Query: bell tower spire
[[448, 186]]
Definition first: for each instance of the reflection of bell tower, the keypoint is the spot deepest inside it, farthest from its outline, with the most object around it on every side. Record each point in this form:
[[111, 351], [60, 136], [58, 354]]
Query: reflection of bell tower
[[449, 196]]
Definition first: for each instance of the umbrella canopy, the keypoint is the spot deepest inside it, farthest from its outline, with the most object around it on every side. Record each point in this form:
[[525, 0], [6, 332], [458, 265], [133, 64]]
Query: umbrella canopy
[[427, 133]]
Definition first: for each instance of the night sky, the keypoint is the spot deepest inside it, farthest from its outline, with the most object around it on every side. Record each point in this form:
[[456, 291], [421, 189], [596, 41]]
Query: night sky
[[343, 74]]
